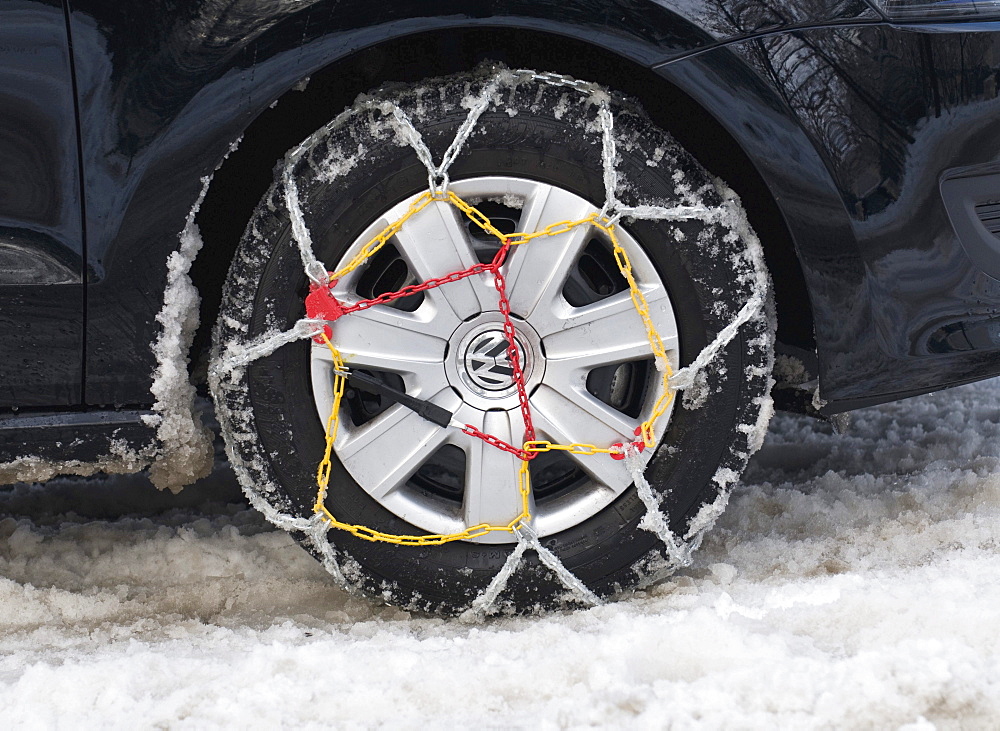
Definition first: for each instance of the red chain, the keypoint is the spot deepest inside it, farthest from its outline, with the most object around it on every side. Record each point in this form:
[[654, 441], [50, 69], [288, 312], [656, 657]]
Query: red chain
[[414, 288], [498, 443], [512, 355], [321, 304]]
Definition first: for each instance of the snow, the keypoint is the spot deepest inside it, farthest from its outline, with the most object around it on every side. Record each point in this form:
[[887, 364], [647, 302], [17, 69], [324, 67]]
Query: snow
[[239, 355], [678, 554], [120, 459], [185, 451], [851, 582]]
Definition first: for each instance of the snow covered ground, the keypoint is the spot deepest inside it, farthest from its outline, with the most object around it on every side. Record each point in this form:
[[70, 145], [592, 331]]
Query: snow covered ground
[[854, 581]]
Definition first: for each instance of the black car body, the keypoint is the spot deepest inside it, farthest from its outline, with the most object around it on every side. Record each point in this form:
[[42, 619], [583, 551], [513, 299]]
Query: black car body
[[865, 148]]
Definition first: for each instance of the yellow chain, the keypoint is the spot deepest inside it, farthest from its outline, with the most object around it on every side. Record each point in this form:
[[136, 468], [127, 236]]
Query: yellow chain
[[475, 215], [655, 341], [524, 475], [540, 445], [553, 229], [332, 423], [372, 247]]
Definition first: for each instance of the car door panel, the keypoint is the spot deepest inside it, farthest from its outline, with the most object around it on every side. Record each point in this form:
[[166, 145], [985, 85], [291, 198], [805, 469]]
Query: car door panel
[[41, 246]]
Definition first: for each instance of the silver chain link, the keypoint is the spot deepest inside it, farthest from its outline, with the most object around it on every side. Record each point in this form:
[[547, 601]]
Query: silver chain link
[[561, 80]]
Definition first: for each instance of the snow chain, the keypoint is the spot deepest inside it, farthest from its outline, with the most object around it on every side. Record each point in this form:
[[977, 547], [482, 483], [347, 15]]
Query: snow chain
[[323, 310]]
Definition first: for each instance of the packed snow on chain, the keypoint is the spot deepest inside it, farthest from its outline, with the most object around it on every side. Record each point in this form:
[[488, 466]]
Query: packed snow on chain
[[853, 581]]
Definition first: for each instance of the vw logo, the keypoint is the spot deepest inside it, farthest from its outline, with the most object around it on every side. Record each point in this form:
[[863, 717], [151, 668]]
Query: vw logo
[[487, 364]]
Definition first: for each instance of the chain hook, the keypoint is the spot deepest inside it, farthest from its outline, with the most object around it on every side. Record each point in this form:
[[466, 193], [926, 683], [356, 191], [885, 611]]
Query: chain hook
[[437, 183], [317, 273]]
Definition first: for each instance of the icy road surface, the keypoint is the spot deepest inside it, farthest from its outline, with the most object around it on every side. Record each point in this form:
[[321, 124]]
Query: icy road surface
[[854, 580]]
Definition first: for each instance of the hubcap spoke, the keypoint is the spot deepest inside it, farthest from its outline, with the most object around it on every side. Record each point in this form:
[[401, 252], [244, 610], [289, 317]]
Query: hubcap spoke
[[434, 243], [571, 417], [491, 494], [582, 417], [606, 332], [538, 270], [605, 313], [388, 340], [385, 452]]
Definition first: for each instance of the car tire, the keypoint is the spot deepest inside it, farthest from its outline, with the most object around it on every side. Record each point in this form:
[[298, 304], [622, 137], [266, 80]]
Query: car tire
[[347, 176]]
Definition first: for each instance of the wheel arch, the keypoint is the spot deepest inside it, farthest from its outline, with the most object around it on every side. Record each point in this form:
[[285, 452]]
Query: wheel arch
[[297, 112]]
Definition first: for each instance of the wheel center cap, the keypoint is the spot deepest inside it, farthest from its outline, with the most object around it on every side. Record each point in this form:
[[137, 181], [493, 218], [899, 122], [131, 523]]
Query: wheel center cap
[[487, 364], [478, 368]]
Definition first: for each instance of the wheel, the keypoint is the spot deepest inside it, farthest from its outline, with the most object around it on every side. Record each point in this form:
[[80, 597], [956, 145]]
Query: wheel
[[535, 157]]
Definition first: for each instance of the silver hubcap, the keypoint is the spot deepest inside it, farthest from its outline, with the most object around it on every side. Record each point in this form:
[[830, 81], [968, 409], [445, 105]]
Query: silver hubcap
[[451, 350]]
